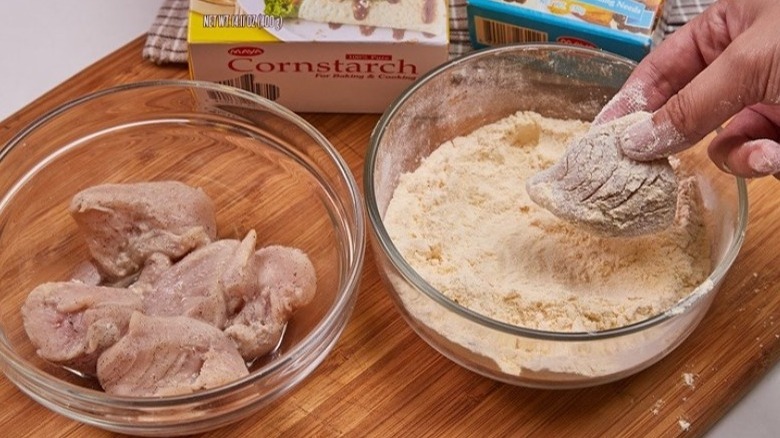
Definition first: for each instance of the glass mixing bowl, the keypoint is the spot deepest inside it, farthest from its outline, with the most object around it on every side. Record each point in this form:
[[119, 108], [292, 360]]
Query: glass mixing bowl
[[265, 169], [483, 87]]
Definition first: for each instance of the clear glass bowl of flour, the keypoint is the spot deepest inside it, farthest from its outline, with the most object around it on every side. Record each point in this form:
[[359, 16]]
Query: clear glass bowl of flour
[[551, 318]]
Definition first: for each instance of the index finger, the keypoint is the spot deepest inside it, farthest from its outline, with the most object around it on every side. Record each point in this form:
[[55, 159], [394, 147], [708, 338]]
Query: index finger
[[672, 65]]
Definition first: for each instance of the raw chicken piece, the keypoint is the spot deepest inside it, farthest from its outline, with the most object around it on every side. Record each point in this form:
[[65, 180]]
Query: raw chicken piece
[[196, 285], [125, 223], [86, 272], [240, 277], [71, 323], [154, 268], [285, 281], [163, 356]]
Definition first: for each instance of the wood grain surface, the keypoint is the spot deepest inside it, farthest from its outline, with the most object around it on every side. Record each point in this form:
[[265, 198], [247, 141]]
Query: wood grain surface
[[382, 380]]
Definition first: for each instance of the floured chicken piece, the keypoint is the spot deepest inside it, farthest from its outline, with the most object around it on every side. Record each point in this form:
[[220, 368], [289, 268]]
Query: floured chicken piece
[[285, 281], [125, 223], [196, 286], [165, 356], [72, 323], [598, 188]]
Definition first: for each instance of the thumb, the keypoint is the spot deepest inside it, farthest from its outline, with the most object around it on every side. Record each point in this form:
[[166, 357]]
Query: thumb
[[709, 100]]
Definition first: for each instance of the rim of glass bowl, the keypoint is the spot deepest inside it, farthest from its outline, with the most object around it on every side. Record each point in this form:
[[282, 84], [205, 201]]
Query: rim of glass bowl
[[355, 254], [412, 276]]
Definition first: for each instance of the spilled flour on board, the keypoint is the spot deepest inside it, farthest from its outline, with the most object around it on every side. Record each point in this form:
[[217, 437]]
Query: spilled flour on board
[[689, 379]]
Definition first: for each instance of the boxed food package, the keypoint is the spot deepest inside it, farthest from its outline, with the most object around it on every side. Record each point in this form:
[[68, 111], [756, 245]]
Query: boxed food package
[[351, 56], [624, 27]]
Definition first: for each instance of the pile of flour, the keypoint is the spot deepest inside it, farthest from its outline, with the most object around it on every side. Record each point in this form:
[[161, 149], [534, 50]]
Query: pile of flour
[[464, 221]]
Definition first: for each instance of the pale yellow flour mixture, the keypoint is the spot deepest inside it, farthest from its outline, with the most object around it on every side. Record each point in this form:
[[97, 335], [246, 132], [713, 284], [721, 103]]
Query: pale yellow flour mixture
[[463, 220]]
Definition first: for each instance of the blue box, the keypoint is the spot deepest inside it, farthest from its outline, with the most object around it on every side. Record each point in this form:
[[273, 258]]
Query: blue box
[[623, 27]]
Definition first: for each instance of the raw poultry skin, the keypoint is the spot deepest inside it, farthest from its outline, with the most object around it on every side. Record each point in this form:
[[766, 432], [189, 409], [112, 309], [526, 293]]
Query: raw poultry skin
[[195, 286], [165, 356], [72, 323], [284, 280], [125, 223]]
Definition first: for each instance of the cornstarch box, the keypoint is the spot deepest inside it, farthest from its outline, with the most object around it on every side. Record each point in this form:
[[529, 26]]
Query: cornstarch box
[[624, 27], [351, 56]]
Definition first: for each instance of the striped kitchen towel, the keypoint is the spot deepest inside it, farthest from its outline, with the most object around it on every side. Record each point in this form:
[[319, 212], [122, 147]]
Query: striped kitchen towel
[[166, 41], [678, 12]]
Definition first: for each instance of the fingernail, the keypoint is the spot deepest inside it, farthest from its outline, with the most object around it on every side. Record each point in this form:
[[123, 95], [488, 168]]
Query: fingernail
[[645, 140], [639, 139], [765, 157]]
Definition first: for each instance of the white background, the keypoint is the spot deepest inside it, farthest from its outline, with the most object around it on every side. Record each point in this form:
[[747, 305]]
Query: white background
[[44, 42]]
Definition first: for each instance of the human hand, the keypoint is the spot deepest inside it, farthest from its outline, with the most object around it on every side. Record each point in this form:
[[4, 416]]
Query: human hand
[[724, 64]]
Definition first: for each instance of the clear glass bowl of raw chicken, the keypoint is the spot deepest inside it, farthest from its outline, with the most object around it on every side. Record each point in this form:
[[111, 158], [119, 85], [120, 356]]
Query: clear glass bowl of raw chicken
[[115, 192], [521, 332]]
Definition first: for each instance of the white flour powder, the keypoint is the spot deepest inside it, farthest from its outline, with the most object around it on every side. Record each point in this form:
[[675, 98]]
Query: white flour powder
[[464, 221]]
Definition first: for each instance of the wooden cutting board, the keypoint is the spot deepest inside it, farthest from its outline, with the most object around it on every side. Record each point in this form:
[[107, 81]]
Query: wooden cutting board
[[382, 380]]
